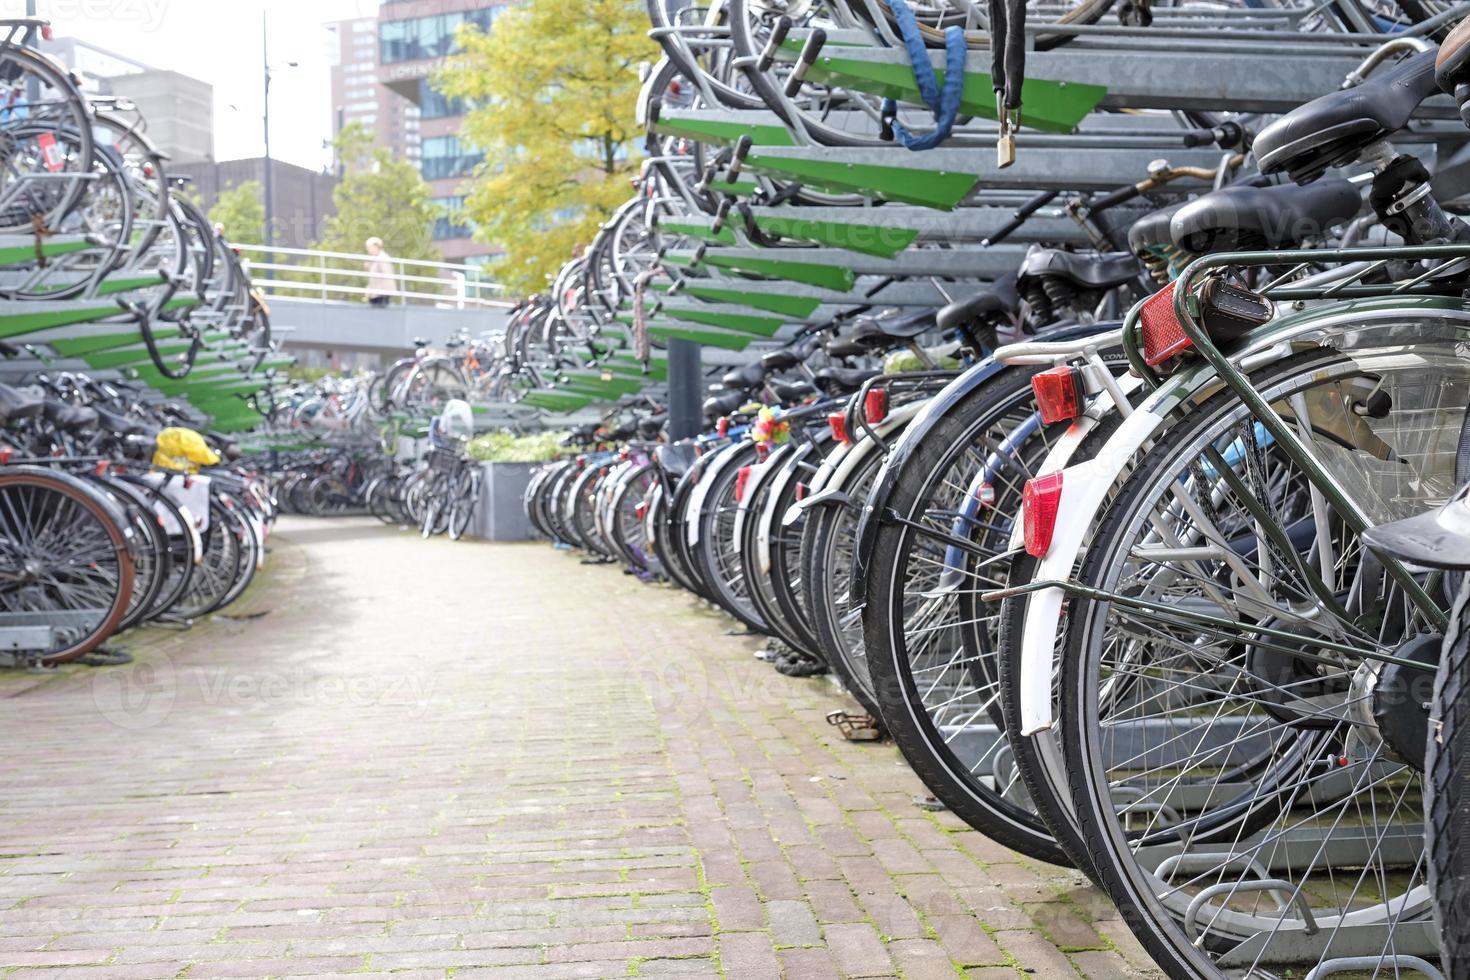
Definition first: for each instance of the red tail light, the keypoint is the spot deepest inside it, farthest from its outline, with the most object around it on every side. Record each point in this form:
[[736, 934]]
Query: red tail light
[[1059, 394], [1162, 335], [641, 510], [1042, 498], [6, 453], [801, 491], [741, 479], [837, 422], [722, 427], [875, 405]]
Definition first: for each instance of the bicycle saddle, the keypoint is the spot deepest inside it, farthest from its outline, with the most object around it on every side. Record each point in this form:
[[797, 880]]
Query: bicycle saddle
[[743, 379], [721, 405], [789, 357], [879, 331], [650, 427], [119, 425], [792, 392], [1256, 217], [69, 417], [1001, 298], [1335, 128], [1152, 230], [16, 404], [845, 347], [1452, 66], [1089, 270], [844, 381]]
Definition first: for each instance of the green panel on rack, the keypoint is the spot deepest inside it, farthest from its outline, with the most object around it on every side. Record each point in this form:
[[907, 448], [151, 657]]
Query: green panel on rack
[[709, 338], [612, 385], [556, 401], [1056, 107], [941, 189], [77, 346], [130, 355], [15, 324], [740, 188], [704, 232], [765, 326], [722, 131], [826, 276], [14, 254], [658, 367], [776, 302], [882, 241], [116, 284]]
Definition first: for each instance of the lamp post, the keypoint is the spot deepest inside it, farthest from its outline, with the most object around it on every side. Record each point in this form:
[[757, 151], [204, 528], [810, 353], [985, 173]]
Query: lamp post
[[267, 167]]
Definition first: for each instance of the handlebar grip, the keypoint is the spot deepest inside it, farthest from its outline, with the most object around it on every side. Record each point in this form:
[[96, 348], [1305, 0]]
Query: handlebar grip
[[1199, 137], [1113, 198]]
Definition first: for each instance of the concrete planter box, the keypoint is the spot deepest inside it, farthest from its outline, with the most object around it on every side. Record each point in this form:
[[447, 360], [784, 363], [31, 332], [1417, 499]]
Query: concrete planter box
[[501, 515]]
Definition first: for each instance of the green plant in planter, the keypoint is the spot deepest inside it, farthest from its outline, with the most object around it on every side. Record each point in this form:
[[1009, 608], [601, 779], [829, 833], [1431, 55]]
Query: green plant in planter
[[507, 447]]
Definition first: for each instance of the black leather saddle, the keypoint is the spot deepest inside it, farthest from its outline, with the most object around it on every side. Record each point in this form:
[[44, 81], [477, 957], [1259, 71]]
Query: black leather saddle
[[792, 392], [1264, 217], [722, 405], [787, 358], [999, 300], [1087, 270], [16, 404], [650, 427], [119, 425], [1152, 230], [744, 379], [1333, 129], [69, 418], [883, 330], [844, 381]]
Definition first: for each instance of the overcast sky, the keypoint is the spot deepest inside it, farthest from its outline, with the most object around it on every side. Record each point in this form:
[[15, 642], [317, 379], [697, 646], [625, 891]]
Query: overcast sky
[[219, 41]]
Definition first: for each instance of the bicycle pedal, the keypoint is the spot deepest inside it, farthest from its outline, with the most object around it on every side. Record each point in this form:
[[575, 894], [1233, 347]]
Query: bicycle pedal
[[856, 727]]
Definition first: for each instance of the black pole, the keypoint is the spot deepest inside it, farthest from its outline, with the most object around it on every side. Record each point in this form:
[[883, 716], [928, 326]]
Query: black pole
[[686, 390], [266, 163]]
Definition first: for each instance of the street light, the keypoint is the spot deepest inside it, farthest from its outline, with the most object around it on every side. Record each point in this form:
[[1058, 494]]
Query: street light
[[265, 64]]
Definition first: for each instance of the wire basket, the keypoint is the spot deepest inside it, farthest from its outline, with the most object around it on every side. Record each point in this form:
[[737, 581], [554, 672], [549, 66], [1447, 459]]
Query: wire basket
[[443, 460]]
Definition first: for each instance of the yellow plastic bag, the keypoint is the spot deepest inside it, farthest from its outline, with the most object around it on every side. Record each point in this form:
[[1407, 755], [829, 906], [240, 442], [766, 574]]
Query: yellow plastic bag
[[182, 450]]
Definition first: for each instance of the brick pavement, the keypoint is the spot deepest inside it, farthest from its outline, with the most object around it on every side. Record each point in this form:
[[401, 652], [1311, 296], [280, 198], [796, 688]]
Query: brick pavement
[[430, 759]]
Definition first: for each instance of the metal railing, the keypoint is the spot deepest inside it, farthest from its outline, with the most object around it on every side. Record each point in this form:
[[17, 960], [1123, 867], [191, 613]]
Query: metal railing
[[302, 273]]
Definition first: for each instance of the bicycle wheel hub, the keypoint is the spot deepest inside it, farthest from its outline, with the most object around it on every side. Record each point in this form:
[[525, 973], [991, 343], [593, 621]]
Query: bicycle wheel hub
[[1391, 702]]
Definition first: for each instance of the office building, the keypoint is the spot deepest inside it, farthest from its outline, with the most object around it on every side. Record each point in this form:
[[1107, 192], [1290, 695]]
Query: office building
[[178, 110], [303, 198], [414, 38]]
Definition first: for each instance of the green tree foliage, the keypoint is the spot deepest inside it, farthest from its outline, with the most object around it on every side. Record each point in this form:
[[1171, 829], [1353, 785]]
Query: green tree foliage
[[242, 213], [379, 197], [554, 86]]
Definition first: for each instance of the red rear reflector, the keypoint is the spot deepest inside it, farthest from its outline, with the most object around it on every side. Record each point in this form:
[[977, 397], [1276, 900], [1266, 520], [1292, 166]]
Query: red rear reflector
[[837, 422], [101, 468], [1162, 335], [641, 510], [801, 491], [722, 427], [5, 454], [1042, 499], [741, 479], [875, 405], [47, 33], [1058, 394]]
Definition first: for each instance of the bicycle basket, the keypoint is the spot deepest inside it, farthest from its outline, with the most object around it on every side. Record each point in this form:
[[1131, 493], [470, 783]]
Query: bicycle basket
[[442, 460]]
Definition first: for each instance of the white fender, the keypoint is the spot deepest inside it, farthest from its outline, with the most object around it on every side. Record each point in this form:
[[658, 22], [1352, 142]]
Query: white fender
[[718, 462]]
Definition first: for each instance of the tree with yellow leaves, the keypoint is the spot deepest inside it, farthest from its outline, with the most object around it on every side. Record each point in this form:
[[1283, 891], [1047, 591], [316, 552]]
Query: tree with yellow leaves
[[553, 86]]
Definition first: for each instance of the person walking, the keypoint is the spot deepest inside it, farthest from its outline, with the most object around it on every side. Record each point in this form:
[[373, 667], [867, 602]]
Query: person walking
[[381, 283]]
